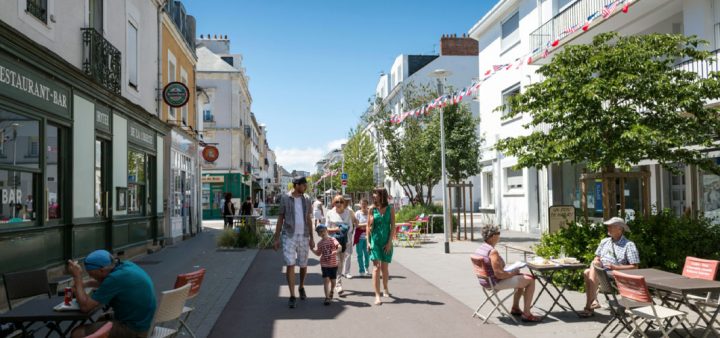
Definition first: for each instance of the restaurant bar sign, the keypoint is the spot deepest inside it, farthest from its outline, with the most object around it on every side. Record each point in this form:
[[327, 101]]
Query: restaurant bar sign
[[141, 135], [176, 94], [21, 83]]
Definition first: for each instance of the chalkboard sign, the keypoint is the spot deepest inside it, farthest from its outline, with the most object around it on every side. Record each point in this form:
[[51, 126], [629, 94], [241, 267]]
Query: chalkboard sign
[[560, 216]]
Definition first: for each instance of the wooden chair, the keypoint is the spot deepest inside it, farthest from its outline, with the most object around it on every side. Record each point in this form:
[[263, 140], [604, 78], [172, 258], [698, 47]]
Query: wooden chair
[[636, 297], [103, 332], [169, 308], [195, 279], [488, 287]]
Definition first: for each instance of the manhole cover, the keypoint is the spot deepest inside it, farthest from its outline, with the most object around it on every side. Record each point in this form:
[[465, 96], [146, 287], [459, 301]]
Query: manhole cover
[[147, 262]]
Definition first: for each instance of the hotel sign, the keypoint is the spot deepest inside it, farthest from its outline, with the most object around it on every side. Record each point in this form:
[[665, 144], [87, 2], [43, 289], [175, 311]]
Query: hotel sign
[[141, 135], [102, 118], [21, 83]]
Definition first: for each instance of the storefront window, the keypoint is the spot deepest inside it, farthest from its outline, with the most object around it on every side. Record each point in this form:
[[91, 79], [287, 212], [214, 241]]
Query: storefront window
[[16, 189], [19, 140], [711, 196], [136, 182], [52, 138]]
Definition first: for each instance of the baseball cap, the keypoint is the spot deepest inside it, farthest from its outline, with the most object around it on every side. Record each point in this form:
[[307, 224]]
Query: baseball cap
[[619, 222], [97, 259], [300, 180], [320, 227]]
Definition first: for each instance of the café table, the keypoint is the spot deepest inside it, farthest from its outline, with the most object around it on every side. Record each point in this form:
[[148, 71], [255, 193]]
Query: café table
[[40, 310], [544, 273], [665, 284]]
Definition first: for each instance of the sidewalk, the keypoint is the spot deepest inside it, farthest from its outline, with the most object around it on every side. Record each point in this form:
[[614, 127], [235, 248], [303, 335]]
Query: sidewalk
[[224, 271]]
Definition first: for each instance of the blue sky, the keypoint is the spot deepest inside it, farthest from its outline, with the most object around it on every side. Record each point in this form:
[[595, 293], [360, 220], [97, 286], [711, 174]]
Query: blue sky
[[313, 64]]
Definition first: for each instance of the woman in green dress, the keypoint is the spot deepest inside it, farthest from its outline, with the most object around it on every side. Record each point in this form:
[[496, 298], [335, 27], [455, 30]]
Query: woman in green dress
[[381, 227]]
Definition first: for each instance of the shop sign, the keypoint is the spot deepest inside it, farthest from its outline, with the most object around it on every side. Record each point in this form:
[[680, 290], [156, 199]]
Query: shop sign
[[213, 179], [210, 153], [141, 135], [560, 216], [23, 84], [102, 118], [176, 94]]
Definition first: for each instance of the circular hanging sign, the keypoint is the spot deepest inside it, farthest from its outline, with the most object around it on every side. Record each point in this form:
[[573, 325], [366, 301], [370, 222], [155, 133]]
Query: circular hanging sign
[[176, 94], [210, 153]]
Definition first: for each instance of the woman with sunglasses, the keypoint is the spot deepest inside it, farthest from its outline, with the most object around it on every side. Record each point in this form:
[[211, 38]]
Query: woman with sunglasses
[[381, 230], [341, 223]]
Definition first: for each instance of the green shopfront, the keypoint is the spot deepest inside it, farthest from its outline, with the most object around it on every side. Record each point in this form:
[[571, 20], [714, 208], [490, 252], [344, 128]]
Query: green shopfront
[[78, 168], [214, 187]]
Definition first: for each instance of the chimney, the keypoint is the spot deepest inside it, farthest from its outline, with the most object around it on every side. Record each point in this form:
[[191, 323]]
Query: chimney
[[450, 44]]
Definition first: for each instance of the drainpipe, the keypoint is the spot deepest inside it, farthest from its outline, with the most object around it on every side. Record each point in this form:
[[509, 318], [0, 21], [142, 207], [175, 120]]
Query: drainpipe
[[158, 94]]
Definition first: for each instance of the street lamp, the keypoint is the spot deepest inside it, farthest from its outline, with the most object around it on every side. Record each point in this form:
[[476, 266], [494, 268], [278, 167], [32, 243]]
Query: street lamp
[[441, 75]]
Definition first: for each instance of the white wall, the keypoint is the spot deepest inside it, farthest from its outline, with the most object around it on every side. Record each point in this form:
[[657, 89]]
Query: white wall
[[83, 158], [119, 165], [160, 171]]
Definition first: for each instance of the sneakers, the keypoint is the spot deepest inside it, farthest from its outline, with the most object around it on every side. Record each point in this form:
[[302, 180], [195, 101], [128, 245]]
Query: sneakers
[[348, 276], [291, 302], [339, 289], [302, 294]]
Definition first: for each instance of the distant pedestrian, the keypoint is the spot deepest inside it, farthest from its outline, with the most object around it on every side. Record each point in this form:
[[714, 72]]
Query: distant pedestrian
[[327, 249], [294, 231], [360, 238], [341, 225], [381, 230], [318, 212], [247, 207], [228, 210]]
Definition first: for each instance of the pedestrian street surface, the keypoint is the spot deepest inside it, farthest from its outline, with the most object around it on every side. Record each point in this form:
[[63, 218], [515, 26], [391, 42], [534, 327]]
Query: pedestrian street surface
[[258, 308]]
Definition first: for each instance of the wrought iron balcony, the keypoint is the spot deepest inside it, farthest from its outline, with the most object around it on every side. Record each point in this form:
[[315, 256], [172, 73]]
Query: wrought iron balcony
[[38, 8], [101, 60], [573, 15]]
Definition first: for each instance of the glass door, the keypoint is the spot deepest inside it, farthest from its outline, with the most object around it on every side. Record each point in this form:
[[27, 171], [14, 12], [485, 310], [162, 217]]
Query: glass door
[[102, 193]]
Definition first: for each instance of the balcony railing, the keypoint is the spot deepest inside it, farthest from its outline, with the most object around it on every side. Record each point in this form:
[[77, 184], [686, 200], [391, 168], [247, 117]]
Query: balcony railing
[[702, 68], [38, 8], [574, 15], [101, 60]]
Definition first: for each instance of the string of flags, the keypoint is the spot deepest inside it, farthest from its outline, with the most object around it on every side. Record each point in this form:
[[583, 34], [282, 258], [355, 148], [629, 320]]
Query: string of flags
[[328, 174], [544, 52]]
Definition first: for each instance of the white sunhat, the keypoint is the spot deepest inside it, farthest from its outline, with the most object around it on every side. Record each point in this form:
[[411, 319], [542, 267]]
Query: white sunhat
[[619, 222]]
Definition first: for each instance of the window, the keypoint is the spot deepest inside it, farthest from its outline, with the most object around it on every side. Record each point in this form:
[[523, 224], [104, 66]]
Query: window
[[16, 195], [38, 9], [489, 189], [507, 94], [132, 55], [33, 147], [136, 182], [54, 164], [711, 195], [510, 31], [19, 140], [95, 15], [171, 78], [227, 59], [208, 116], [513, 180]]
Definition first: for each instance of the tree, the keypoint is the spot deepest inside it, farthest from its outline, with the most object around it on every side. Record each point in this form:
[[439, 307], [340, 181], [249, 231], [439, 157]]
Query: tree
[[615, 102], [360, 157]]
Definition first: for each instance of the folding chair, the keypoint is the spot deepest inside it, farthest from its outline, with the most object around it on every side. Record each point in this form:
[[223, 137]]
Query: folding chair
[[169, 308], [26, 284], [488, 287], [618, 312], [265, 236], [103, 332], [636, 297], [195, 279], [705, 269]]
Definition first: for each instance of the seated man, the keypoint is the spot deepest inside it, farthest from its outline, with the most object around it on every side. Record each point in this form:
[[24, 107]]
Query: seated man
[[614, 253], [123, 286]]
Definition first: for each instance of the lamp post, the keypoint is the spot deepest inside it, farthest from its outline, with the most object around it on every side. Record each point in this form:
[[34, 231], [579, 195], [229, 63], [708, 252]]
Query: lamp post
[[441, 75]]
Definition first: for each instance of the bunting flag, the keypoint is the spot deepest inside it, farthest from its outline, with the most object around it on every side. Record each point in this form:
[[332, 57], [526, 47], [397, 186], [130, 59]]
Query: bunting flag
[[527, 59]]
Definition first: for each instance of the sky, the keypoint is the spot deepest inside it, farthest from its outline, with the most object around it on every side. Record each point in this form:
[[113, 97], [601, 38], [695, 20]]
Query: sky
[[314, 64]]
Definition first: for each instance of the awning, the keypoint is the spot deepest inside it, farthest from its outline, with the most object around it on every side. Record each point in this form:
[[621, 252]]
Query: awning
[[256, 185]]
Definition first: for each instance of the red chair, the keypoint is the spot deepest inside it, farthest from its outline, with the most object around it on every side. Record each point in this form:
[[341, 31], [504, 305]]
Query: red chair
[[705, 269], [636, 297], [195, 279], [103, 332]]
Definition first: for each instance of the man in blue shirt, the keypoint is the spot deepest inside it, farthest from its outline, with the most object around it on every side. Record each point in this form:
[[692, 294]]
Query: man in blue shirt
[[123, 286]]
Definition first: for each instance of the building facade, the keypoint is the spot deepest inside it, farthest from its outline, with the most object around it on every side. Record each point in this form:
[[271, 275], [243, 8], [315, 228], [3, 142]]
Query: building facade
[[226, 123], [519, 199], [81, 145], [178, 62]]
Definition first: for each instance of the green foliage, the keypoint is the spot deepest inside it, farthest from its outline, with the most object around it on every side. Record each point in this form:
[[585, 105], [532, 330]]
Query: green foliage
[[360, 158], [241, 237], [410, 212], [617, 101], [227, 239], [663, 241]]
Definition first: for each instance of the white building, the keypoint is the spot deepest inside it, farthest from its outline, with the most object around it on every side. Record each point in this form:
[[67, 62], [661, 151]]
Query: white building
[[225, 100], [512, 29], [458, 55]]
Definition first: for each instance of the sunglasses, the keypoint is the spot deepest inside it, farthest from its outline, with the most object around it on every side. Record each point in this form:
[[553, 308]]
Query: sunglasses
[[339, 202]]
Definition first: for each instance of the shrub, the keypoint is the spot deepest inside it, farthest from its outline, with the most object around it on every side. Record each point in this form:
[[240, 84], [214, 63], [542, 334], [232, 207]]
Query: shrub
[[663, 241], [227, 238], [240, 237], [410, 212]]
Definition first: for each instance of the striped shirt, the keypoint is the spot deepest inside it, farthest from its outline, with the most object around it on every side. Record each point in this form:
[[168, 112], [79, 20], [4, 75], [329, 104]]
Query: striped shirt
[[326, 246], [622, 252]]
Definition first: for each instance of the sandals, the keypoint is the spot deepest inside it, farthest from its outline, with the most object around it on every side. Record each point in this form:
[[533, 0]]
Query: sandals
[[595, 305], [530, 318], [327, 301], [378, 302], [302, 294], [516, 312], [586, 313]]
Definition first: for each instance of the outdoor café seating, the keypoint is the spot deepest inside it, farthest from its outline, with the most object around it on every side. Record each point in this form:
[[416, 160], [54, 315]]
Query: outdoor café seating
[[170, 307], [195, 279], [492, 295], [617, 311]]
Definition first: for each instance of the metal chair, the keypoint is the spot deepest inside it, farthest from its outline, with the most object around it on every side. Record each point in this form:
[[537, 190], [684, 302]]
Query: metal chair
[[169, 308], [705, 269], [25, 284], [195, 279], [618, 312], [103, 332], [636, 296], [491, 294]]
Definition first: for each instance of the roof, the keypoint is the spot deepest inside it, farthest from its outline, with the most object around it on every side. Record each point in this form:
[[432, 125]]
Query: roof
[[211, 62], [489, 18]]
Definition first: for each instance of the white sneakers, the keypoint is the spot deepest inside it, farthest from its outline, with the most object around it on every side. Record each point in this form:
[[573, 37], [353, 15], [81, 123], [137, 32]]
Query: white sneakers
[[348, 276], [338, 289]]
